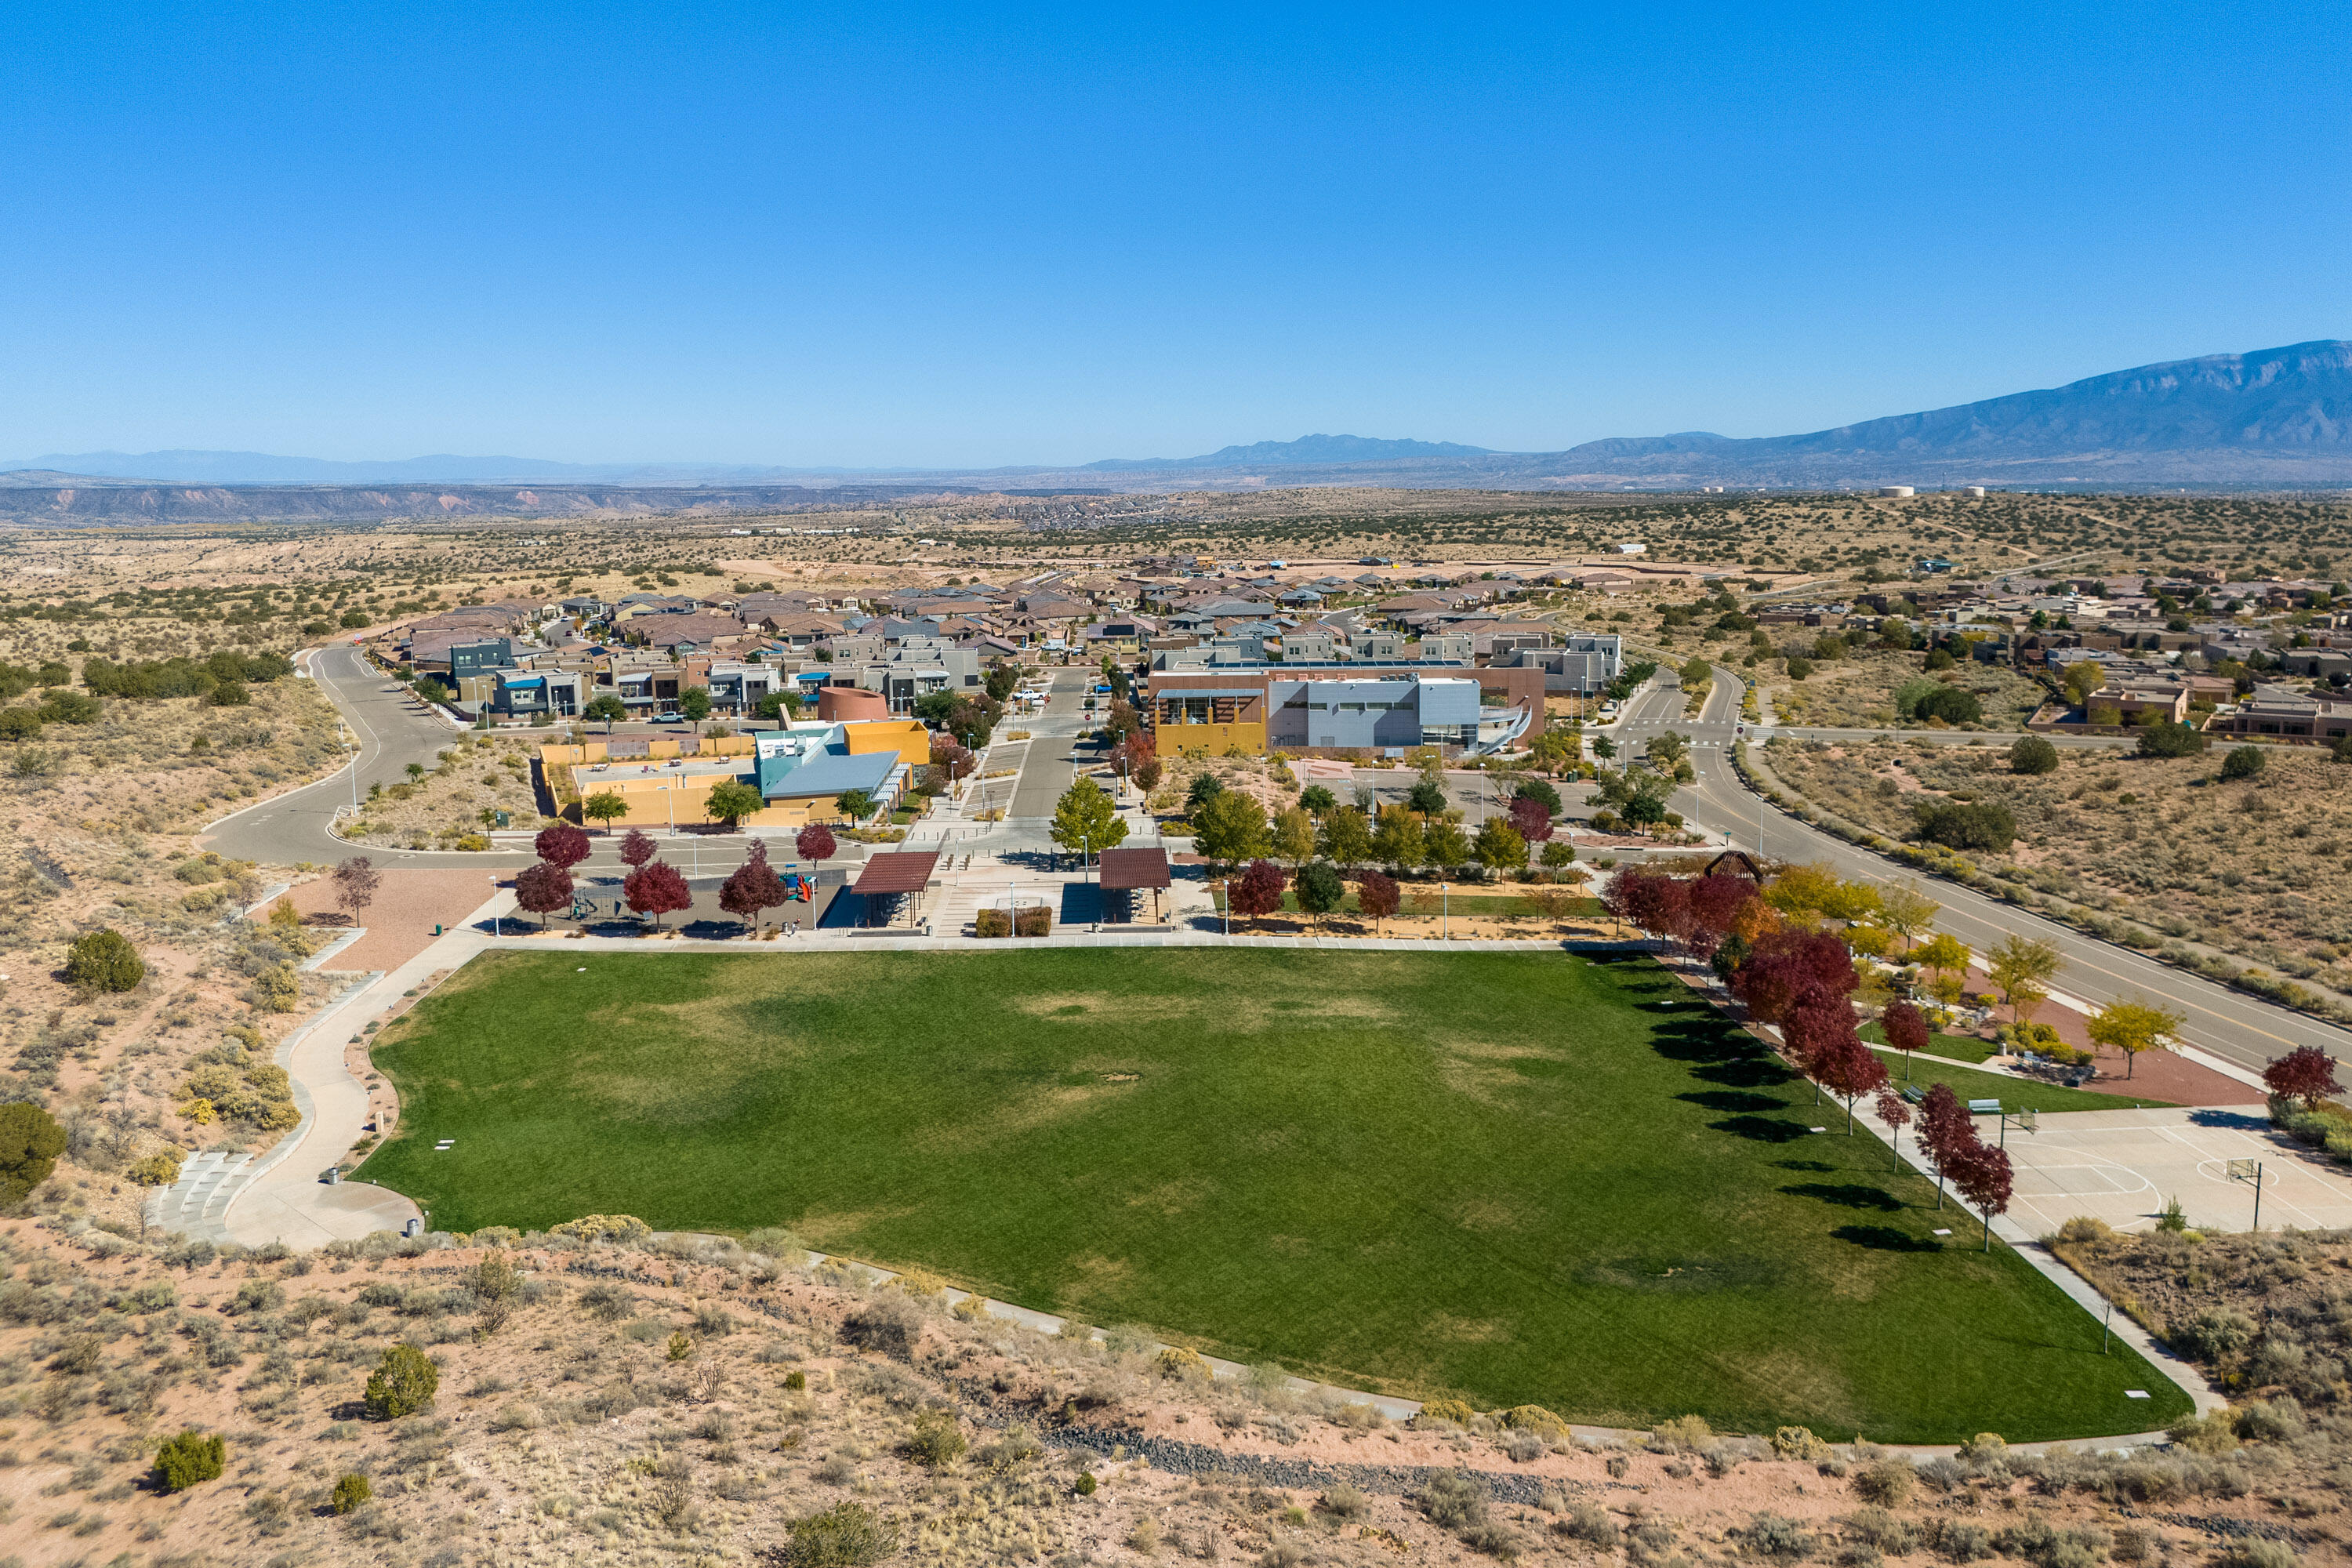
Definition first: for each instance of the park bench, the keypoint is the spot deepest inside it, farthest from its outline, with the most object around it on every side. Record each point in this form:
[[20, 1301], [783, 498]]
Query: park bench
[[1914, 1093], [1984, 1108]]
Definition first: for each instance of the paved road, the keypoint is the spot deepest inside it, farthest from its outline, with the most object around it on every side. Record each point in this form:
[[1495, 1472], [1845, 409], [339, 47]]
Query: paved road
[[2237, 1028], [391, 729]]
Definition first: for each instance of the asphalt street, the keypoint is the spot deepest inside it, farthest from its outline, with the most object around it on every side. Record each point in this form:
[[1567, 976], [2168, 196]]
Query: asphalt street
[[2239, 1028]]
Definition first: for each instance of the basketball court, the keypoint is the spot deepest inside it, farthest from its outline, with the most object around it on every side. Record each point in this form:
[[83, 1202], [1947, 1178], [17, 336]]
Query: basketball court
[[2124, 1166]]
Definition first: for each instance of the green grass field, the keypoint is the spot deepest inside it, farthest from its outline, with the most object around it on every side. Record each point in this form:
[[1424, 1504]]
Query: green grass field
[[2013, 1093], [1958, 1047], [1523, 1177]]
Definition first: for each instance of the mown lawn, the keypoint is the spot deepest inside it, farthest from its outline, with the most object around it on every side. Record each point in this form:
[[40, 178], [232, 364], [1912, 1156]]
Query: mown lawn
[[1523, 1177], [2014, 1093], [1958, 1047]]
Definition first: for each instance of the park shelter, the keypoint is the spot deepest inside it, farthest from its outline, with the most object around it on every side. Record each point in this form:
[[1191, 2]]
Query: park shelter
[[892, 878], [1128, 873]]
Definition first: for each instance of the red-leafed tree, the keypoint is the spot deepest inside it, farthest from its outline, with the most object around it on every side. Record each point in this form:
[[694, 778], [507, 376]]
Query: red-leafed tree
[[952, 755], [1981, 1173], [1895, 1112], [1659, 905], [1258, 890], [1814, 1024], [2306, 1073], [1946, 1132], [1377, 896], [1715, 904], [1850, 1070], [1532, 818], [1823, 959], [545, 888], [655, 888], [562, 845], [1770, 984], [753, 888], [637, 849], [815, 842], [1905, 1029]]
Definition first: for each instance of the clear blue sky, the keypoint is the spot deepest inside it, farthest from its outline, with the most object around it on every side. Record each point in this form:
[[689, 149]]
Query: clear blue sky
[[876, 235]]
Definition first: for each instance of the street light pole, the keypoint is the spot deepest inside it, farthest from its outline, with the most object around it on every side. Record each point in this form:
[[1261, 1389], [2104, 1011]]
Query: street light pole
[[1445, 902]]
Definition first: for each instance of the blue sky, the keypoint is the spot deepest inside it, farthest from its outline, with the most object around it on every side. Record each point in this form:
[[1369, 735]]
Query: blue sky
[[875, 235]]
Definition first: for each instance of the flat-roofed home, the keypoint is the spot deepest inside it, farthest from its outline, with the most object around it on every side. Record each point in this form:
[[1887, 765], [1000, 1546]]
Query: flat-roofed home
[[2283, 712]]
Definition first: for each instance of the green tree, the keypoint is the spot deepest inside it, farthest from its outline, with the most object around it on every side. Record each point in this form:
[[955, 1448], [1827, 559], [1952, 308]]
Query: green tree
[[2032, 754], [1204, 789], [30, 1143], [1294, 837], [1667, 749], [606, 805], [104, 959], [695, 704], [1319, 888], [190, 1458], [1346, 835], [1400, 840], [1427, 799], [351, 1491], [2023, 967], [1086, 821], [1448, 847], [1557, 853], [608, 708], [731, 800], [403, 1384], [2166, 739], [1498, 847], [784, 704], [857, 805], [1800, 667], [1906, 911], [2082, 678], [1318, 801], [1230, 828], [2243, 763], [2132, 1027]]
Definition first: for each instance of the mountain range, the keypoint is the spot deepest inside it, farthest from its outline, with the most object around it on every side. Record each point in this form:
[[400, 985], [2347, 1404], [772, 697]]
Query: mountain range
[[2277, 417]]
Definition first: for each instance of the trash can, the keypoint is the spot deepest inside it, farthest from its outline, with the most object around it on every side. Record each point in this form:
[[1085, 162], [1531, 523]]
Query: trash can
[[414, 1227]]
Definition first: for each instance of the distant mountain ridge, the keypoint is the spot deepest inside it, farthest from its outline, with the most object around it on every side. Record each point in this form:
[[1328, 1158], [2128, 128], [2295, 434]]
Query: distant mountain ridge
[[2277, 417], [1306, 450]]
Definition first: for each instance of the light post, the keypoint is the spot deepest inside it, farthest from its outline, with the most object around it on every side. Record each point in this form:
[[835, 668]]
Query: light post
[[495, 931], [1226, 887], [1444, 901]]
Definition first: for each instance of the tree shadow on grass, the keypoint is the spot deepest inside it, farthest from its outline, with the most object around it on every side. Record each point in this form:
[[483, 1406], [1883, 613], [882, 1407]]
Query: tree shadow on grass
[[1732, 1100], [1847, 1194], [1885, 1238], [1763, 1128], [1804, 1164]]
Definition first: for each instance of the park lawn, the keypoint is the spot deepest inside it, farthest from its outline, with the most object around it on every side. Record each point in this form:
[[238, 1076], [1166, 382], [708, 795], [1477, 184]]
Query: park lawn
[[2015, 1093], [1958, 1047], [1540, 1178]]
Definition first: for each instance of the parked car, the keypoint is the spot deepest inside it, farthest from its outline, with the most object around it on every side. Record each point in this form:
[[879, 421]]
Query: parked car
[[667, 719]]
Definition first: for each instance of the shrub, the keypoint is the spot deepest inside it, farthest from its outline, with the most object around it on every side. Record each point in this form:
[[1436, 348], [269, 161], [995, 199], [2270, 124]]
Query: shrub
[[1682, 1434], [2166, 739], [1781, 1539], [1984, 825], [1591, 1524], [2211, 1334], [156, 1170], [890, 1324], [1452, 1500], [2254, 1552], [2243, 763], [350, 1491], [30, 1143], [1086, 1483], [1799, 1443], [1534, 1418], [2032, 754], [104, 959], [1887, 1484], [190, 1458], [19, 724], [935, 1440], [621, 1228], [403, 1384], [1454, 1411], [1963, 1542], [1179, 1361]]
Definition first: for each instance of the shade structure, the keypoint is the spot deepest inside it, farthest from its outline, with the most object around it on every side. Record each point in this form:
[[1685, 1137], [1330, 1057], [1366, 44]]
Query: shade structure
[[1133, 868], [903, 872]]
